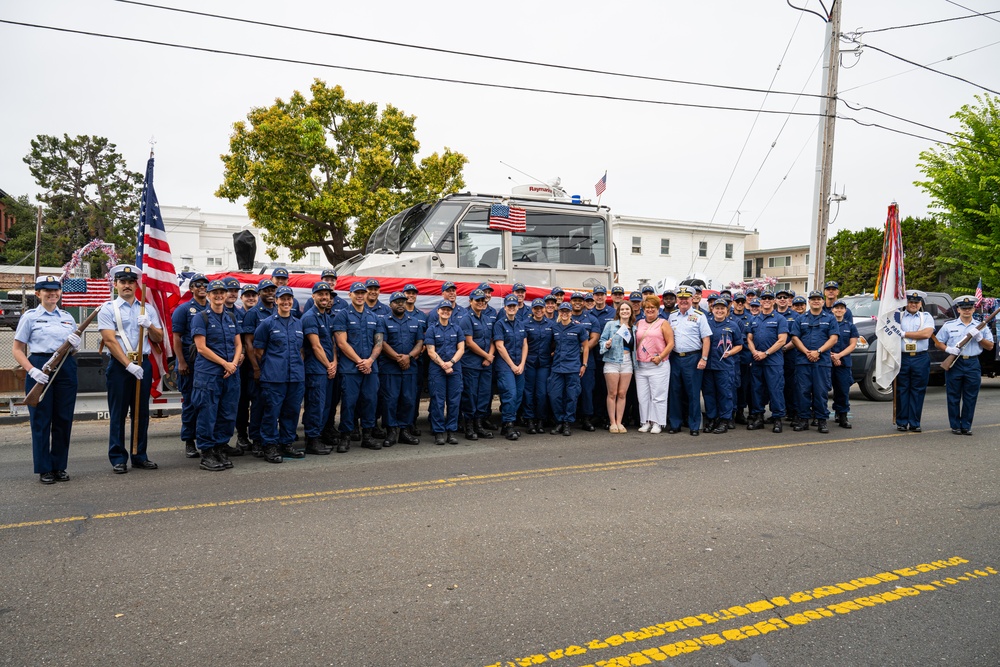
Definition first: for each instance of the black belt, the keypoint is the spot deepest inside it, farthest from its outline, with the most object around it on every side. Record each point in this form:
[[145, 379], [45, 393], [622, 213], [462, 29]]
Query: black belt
[[685, 354], [913, 354]]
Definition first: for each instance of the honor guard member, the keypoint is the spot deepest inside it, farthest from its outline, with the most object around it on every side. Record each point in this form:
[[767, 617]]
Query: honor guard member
[[320, 356], [603, 314], [248, 297], [119, 322], [840, 355], [445, 343], [831, 292], [743, 318], [359, 333], [511, 344], [692, 337], [423, 362], [40, 332], [723, 355], [397, 374], [814, 334], [915, 363], [263, 310], [570, 348], [962, 380], [278, 345], [538, 333], [186, 354], [767, 337], [216, 336], [617, 296], [589, 379], [372, 292], [279, 276], [477, 372]]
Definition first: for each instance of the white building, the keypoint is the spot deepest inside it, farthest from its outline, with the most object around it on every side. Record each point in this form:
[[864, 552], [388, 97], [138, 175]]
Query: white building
[[657, 250]]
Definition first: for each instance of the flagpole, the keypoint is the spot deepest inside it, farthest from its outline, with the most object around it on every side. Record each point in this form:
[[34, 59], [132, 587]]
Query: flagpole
[[142, 311]]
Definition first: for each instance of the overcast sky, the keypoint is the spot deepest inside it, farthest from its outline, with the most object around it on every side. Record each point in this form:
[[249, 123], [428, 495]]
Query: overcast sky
[[662, 161]]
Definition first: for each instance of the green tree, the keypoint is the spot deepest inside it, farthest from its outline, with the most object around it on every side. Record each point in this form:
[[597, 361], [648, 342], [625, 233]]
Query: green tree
[[88, 191], [963, 181], [327, 171], [20, 246]]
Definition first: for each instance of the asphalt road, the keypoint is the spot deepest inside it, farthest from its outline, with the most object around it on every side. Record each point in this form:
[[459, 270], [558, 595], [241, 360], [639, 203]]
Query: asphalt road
[[861, 547]]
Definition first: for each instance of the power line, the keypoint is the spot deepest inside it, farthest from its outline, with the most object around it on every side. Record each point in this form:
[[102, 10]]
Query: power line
[[466, 54], [917, 25], [942, 60], [421, 77], [929, 69], [974, 12]]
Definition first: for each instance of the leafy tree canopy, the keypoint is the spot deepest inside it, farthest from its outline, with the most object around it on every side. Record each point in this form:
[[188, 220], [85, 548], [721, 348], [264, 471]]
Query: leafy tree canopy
[[20, 244], [328, 171]]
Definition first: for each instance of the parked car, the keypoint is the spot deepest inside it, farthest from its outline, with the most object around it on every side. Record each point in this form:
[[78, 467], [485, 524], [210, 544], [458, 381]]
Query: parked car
[[10, 313]]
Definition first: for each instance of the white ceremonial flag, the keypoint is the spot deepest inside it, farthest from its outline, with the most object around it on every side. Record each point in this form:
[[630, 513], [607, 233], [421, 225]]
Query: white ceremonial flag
[[624, 332], [891, 292]]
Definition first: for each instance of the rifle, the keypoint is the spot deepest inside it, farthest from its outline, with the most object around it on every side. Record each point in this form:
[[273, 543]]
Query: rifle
[[54, 364], [950, 359]]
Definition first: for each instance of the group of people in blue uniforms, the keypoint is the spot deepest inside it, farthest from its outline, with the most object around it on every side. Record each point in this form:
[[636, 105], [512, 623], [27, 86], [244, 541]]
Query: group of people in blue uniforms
[[250, 358]]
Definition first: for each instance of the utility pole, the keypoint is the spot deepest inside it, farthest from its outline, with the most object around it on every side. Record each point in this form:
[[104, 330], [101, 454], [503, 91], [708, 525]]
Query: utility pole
[[38, 244], [824, 154]]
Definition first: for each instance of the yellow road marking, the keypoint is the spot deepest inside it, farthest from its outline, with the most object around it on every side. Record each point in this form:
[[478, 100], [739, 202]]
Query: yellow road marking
[[427, 485]]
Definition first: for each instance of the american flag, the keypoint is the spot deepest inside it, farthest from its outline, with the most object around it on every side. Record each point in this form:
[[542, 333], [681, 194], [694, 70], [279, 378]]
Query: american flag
[[509, 218], [159, 280], [979, 293], [87, 292], [602, 184]]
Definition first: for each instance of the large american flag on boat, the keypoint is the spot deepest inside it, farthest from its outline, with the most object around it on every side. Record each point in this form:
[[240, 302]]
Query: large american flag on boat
[[159, 280]]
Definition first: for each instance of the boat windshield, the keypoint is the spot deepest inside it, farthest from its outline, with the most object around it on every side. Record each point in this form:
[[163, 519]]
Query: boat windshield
[[423, 233]]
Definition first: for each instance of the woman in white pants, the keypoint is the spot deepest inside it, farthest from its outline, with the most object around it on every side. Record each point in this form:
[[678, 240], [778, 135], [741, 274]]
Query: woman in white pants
[[654, 340]]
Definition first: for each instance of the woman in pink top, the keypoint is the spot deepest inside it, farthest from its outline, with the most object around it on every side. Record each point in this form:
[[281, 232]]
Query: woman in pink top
[[654, 340]]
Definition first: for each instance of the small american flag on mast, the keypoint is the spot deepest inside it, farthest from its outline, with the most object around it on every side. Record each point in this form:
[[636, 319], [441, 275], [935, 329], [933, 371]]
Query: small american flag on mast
[[602, 184], [508, 218]]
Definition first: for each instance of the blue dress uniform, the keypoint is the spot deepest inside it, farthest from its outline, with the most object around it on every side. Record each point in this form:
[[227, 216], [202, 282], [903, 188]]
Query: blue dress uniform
[[536, 371], [512, 334], [217, 396], [319, 388], [589, 379], [445, 388], [963, 379], [915, 367], [843, 377], [685, 377], [768, 375], [718, 384], [251, 321], [398, 387], [359, 391], [476, 378], [564, 378], [814, 377], [181, 326], [282, 380], [43, 332], [121, 384]]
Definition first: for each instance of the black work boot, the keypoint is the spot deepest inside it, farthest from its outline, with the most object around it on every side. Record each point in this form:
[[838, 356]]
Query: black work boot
[[480, 427], [740, 418], [439, 438], [413, 430], [344, 445], [223, 456], [391, 436], [800, 425], [508, 431], [470, 431], [407, 438], [720, 426], [232, 451], [377, 432], [586, 425], [292, 452], [356, 435], [367, 441], [451, 439], [316, 446], [533, 427], [777, 425], [257, 449], [272, 454], [842, 420], [243, 441], [755, 423], [190, 451], [488, 423], [558, 428], [822, 427], [209, 461], [566, 430]]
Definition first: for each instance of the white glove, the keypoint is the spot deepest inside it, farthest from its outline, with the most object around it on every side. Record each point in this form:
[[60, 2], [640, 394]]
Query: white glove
[[38, 376], [977, 335], [135, 369], [953, 351], [144, 320], [73, 340]]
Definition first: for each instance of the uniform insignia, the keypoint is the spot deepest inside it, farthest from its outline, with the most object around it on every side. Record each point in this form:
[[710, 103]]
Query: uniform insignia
[[193, 310]]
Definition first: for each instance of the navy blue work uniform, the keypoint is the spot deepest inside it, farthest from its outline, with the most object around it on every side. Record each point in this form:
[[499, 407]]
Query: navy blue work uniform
[[843, 377], [477, 379], [814, 377], [398, 388], [330, 429], [512, 334], [251, 321], [536, 371], [181, 325], [963, 379], [795, 402], [567, 360], [380, 309], [319, 388], [685, 377], [445, 388], [589, 379], [718, 386], [423, 368], [359, 392], [768, 375], [52, 419], [745, 360], [217, 396], [282, 378]]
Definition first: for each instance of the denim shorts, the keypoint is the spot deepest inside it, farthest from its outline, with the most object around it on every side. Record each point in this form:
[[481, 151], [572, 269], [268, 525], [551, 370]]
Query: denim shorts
[[625, 367]]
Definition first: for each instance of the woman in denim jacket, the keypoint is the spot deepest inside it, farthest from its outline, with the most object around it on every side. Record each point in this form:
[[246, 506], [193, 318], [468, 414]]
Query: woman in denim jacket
[[617, 353]]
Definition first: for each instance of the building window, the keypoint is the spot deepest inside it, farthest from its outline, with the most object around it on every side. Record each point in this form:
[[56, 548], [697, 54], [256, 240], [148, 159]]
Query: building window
[[729, 251], [664, 246], [703, 248], [781, 286], [807, 259], [777, 262], [636, 245], [314, 259], [213, 261], [748, 268]]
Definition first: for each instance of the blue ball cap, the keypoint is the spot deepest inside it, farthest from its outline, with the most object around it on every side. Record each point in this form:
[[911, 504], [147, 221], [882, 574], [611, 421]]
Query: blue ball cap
[[721, 301], [815, 294], [635, 296], [247, 289], [358, 287], [538, 303], [618, 289], [831, 283], [332, 273], [445, 304], [279, 272], [647, 289], [509, 300], [751, 292], [600, 289], [739, 296], [477, 295], [411, 288], [577, 295], [371, 282], [47, 282], [668, 290], [518, 286], [726, 292], [767, 294], [284, 290], [558, 290], [231, 283], [264, 284], [797, 300], [549, 297], [589, 296], [396, 296], [783, 291], [448, 285], [839, 302], [754, 302], [198, 277], [320, 286], [485, 287], [565, 306], [217, 285]]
